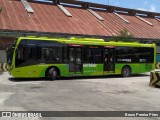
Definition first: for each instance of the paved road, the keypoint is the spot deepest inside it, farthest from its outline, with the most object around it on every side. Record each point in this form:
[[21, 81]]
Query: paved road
[[79, 94]]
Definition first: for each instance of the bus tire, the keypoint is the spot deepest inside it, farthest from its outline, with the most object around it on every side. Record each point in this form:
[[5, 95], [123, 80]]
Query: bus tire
[[52, 73], [126, 71]]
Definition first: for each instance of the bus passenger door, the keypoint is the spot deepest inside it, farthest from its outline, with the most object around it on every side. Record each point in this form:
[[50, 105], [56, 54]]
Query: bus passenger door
[[109, 60], [75, 60]]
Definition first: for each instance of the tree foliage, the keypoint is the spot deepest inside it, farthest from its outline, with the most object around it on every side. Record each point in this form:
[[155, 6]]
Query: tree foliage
[[124, 36]]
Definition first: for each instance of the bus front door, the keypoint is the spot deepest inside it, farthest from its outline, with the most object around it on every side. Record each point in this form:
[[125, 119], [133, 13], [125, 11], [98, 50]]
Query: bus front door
[[75, 60], [109, 60]]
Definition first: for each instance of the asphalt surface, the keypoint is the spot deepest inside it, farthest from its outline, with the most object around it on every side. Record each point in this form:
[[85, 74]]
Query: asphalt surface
[[110, 93]]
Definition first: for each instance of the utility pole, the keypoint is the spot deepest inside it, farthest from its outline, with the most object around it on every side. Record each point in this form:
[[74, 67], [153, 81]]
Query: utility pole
[[108, 2]]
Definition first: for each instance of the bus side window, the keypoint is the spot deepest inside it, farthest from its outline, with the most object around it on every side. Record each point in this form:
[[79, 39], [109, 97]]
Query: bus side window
[[43, 54], [47, 54], [52, 54], [65, 54], [58, 54], [92, 55]]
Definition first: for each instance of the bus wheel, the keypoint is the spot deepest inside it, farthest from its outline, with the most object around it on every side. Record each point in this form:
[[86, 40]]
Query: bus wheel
[[52, 74], [126, 71]]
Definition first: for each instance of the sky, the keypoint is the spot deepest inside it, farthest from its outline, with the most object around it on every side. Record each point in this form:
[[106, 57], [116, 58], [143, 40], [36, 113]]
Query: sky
[[147, 5]]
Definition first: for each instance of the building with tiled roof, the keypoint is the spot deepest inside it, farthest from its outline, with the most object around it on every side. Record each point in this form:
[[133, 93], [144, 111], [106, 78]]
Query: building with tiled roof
[[73, 18]]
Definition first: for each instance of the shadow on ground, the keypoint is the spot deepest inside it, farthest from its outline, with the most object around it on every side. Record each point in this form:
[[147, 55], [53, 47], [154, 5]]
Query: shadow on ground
[[72, 78], [26, 79]]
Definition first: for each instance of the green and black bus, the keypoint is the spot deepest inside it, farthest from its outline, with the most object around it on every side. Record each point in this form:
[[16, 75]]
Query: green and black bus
[[32, 57]]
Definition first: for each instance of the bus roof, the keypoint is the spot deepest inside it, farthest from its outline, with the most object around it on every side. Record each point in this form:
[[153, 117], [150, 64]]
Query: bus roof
[[88, 41]]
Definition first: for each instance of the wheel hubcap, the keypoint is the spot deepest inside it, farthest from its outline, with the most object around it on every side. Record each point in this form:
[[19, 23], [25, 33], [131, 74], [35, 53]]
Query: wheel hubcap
[[54, 73], [126, 72]]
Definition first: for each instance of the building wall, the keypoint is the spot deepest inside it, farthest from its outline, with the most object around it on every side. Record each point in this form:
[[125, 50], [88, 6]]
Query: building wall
[[4, 41], [3, 57]]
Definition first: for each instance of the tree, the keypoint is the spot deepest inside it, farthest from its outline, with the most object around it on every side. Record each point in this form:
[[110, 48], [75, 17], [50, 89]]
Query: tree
[[124, 36]]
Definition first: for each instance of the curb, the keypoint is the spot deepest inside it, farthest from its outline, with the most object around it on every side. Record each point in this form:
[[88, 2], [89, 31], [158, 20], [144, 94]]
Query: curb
[[158, 65], [155, 79], [3, 67]]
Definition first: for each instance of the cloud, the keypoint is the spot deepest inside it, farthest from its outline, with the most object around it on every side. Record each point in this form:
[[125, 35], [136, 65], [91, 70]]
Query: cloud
[[152, 8], [142, 9]]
